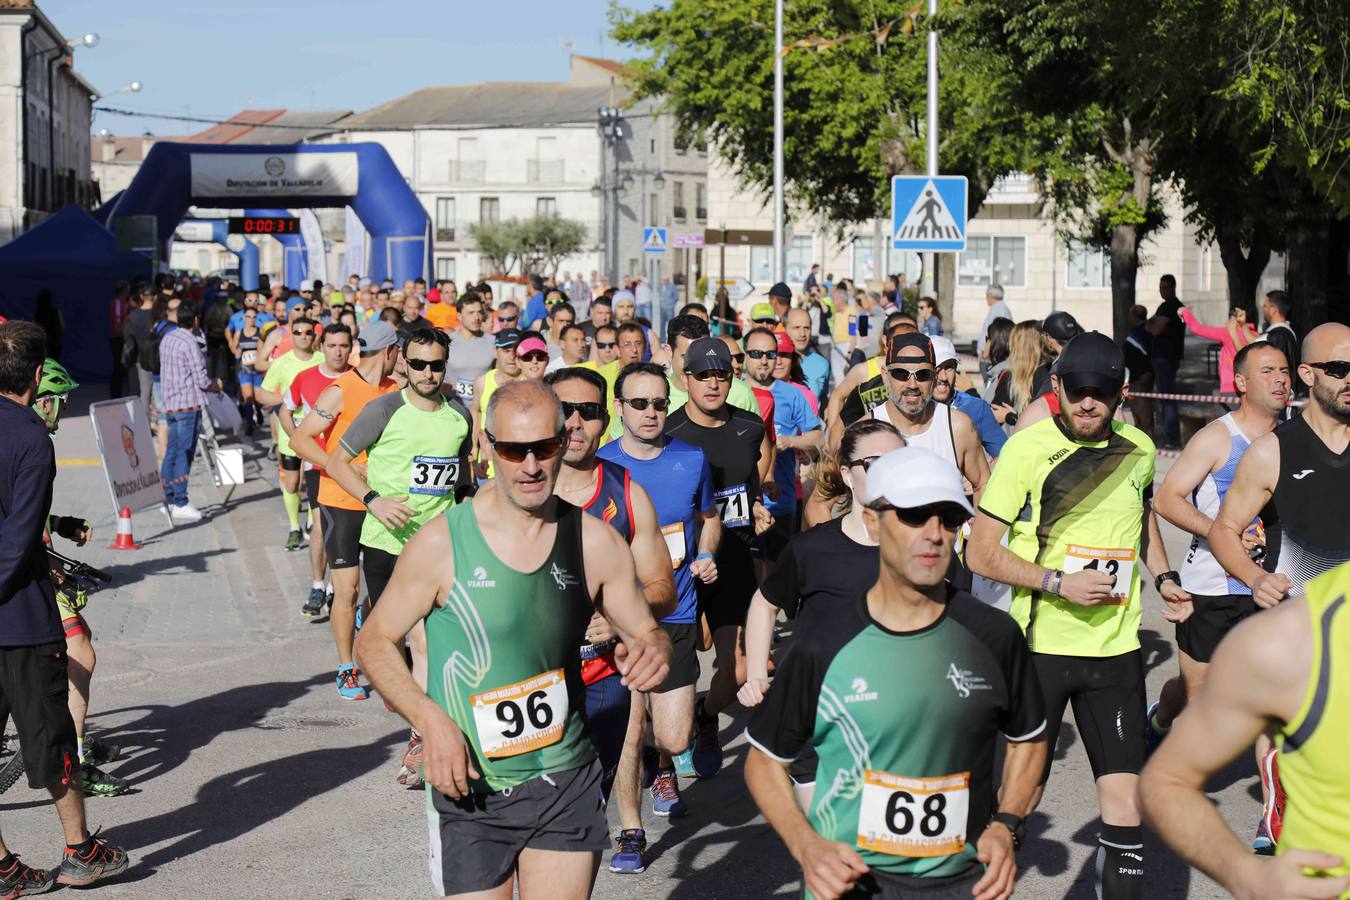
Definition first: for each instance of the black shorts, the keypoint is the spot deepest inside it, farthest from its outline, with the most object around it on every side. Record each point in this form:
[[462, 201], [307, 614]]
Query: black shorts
[[726, 601], [769, 545], [378, 567], [683, 656], [33, 692], [608, 704], [288, 462], [342, 535], [476, 841], [1212, 618], [878, 885], [312, 488], [1107, 695]]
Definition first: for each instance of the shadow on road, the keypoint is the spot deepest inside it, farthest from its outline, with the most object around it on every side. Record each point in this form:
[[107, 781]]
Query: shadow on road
[[193, 563]]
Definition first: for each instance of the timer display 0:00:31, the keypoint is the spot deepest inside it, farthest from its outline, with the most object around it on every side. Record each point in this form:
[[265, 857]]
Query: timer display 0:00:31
[[264, 225]]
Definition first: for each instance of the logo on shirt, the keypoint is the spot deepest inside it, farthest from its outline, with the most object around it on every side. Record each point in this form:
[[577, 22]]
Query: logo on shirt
[[480, 579], [965, 681], [1302, 475], [564, 578], [611, 510], [1057, 454], [860, 692]]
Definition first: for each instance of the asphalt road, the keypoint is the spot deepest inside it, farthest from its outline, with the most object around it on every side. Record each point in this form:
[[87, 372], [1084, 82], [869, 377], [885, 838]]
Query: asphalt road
[[252, 778]]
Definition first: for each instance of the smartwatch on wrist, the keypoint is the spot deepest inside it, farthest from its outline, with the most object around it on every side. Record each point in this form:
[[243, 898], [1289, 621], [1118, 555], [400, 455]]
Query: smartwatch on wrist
[[1015, 824], [1166, 576], [369, 498]]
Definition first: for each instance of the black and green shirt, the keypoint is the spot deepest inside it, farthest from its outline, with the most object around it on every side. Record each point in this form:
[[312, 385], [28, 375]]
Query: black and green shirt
[[905, 726]]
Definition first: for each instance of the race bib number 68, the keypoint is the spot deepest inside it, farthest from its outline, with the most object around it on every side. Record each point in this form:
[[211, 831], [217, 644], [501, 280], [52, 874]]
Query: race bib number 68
[[913, 817]]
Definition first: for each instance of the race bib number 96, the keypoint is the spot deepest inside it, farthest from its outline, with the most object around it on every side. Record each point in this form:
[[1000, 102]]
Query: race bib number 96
[[434, 475], [913, 817], [733, 505], [521, 717], [1118, 563]]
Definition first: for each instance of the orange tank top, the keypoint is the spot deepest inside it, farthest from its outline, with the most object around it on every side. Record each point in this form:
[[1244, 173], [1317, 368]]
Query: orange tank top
[[356, 393]]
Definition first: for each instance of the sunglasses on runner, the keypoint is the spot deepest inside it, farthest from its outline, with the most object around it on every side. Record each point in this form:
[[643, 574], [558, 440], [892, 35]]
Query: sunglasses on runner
[[304, 332], [516, 451], [762, 354], [508, 320], [1335, 368], [864, 461], [536, 357], [922, 376], [711, 374], [660, 404], [952, 516], [739, 357], [417, 365], [590, 412], [606, 346]]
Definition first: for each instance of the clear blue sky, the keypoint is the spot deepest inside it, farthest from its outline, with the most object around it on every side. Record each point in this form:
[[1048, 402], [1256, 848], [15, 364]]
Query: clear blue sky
[[213, 59]]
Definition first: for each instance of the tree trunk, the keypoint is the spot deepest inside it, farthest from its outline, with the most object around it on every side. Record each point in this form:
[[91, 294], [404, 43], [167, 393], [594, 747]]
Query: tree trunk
[[1306, 274], [1124, 268], [1243, 269], [946, 289]]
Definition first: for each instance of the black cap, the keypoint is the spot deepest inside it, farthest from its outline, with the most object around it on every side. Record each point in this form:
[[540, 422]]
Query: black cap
[[1061, 326], [507, 337], [910, 339], [1091, 360], [707, 354], [781, 291]]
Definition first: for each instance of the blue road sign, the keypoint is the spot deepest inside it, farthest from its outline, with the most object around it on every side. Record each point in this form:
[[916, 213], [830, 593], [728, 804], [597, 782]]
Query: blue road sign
[[928, 212], [653, 240]]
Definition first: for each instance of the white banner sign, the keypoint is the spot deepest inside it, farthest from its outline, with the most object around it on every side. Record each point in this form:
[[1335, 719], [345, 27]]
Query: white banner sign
[[194, 231], [274, 174], [314, 246], [123, 435]]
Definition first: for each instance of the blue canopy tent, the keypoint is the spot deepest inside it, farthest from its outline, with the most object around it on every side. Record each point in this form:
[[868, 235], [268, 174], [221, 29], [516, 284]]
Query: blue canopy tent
[[76, 258]]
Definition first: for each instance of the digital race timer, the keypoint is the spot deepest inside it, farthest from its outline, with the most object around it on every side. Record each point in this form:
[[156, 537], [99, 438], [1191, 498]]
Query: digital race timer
[[264, 225]]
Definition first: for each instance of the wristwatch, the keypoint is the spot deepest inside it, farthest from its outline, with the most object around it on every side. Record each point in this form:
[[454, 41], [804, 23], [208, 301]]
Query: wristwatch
[[369, 498], [1166, 576], [1016, 824]]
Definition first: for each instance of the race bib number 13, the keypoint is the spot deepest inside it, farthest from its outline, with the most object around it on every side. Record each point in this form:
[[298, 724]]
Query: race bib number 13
[[1117, 563], [434, 475], [733, 504], [521, 717], [913, 817]]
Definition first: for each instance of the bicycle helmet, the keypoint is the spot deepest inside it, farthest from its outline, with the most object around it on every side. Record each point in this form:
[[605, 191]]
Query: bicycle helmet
[[56, 381]]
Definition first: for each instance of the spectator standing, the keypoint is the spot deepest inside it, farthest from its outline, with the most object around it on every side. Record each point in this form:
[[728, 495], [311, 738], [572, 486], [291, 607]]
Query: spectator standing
[[536, 310], [136, 343], [993, 298], [930, 320], [1168, 350], [33, 684], [118, 311], [1138, 349], [1275, 309], [1232, 336], [183, 385], [670, 298], [812, 279]]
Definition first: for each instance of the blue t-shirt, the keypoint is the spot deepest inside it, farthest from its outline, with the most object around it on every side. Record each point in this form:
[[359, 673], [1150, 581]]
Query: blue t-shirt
[[792, 416], [816, 368], [679, 481], [535, 310], [236, 322], [986, 426]]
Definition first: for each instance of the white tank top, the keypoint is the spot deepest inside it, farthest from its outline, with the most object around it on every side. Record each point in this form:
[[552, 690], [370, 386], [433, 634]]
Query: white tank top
[[938, 439], [1201, 572]]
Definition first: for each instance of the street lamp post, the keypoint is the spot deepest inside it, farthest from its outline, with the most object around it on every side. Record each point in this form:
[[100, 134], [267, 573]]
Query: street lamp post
[[611, 133], [778, 217]]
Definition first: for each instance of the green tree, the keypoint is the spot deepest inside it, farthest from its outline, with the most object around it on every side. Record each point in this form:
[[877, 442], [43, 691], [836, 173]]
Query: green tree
[[500, 243], [536, 245]]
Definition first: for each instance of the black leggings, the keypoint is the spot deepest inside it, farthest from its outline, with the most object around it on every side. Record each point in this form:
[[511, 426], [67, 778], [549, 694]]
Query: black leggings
[[1107, 695], [378, 567]]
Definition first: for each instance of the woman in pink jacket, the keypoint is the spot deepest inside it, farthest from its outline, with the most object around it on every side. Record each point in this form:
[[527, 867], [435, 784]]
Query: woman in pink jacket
[[1231, 337]]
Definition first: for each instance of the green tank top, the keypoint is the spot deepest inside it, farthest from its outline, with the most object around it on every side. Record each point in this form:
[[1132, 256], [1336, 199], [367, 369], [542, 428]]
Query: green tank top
[[502, 654]]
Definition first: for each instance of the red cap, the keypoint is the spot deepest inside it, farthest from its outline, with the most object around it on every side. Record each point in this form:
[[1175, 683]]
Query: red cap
[[785, 344]]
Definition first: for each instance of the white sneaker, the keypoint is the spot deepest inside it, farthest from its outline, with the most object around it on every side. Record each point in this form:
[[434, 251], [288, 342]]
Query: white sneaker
[[187, 513]]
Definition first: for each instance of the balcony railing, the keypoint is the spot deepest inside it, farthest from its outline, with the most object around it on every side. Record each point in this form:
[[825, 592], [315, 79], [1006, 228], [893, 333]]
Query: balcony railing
[[701, 213], [445, 233], [467, 171], [544, 171], [680, 213]]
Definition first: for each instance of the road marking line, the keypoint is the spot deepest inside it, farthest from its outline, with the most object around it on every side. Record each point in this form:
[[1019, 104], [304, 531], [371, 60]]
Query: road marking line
[[79, 461]]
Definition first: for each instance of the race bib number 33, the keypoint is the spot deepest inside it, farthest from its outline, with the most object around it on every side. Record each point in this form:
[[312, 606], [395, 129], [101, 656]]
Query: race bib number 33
[[521, 717], [1118, 563], [914, 817]]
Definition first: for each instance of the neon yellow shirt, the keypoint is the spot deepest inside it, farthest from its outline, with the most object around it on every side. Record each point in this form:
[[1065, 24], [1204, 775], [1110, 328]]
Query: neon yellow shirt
[[278, 380]]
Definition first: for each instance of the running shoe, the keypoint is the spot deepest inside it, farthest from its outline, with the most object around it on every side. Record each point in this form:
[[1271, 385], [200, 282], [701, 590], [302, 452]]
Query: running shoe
[[684, 764], [348, 685], [98, 752], [666, 796], [20, 880], [1272, 817], [83, 869], [1262, 845], [294, 540], [707, 752], [98, 783], [1152, 735], [411, 772], [313, 607], [629, 850]]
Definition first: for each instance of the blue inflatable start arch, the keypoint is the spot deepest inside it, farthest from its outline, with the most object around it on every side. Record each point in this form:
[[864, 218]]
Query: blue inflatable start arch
[[176, 176]]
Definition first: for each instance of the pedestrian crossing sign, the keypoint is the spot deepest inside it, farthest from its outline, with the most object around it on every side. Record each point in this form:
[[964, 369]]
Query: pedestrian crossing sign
[[928, 212], [653, 240]]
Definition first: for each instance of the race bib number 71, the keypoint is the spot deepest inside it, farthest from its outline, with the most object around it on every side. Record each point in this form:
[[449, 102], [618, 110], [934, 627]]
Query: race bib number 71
[[521, 717], [913, 817], [733, 505]]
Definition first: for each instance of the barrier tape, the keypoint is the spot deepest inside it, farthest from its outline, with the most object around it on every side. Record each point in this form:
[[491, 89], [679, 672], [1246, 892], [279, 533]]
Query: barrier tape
[[1198, 398]]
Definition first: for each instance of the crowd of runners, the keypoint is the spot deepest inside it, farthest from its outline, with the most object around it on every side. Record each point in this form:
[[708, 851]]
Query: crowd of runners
[[525, 521]]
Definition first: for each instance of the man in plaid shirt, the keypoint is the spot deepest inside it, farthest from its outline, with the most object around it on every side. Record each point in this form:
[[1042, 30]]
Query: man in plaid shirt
[[183, 387]]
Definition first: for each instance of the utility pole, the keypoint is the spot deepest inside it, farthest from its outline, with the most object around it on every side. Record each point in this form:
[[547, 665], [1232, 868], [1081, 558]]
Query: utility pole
[[778, 243], [930, 260]]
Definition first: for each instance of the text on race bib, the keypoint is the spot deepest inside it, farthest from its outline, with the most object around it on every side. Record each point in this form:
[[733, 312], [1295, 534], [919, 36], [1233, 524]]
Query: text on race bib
[[733, 505], [913, 817], [464, 388], [248, 357], [674, 535], [521, 717], [435, 475], [1116, 562]]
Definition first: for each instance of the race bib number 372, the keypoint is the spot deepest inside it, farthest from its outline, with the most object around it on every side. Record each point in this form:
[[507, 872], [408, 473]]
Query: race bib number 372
[[521, 717], [913, 817], [435, 475]]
